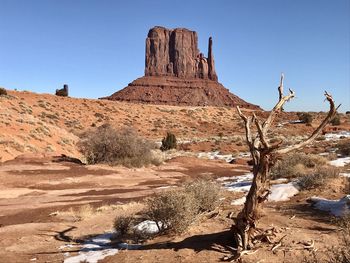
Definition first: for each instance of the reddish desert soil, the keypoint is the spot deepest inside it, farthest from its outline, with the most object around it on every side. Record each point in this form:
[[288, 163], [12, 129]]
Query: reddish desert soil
[[35, 193], [44, 123]]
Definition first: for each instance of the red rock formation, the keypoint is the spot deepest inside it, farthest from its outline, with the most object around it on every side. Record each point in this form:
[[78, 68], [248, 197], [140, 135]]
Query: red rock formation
[[175, 53], [176, 73]]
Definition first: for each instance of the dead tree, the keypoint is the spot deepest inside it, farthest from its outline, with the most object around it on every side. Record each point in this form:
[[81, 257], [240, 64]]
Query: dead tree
[[264, 156]]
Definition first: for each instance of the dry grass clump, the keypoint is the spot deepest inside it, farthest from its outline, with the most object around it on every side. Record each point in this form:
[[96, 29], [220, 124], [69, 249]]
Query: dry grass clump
[[172, 210], [206, 194], [123, 224], [78, 214], [116, 147], [296, 165], [319, 178]]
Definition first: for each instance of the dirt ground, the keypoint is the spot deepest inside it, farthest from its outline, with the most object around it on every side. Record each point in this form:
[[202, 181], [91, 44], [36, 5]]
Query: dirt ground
[[46, 204], [36, 194]]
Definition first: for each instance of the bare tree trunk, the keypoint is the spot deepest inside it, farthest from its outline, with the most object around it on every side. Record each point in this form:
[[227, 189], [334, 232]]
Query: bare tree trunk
[[264, 156], [247, 219]]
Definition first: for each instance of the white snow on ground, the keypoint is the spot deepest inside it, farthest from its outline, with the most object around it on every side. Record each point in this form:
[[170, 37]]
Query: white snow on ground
[[345, 174], [239, 183], [94, 250], [242, 183], [335, 207], [148, 227], [337, 136], [340, 162], [282, 192], [215, 155], [99, 247]]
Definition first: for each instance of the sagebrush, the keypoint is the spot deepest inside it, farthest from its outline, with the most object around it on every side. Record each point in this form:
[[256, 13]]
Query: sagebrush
[[297, 164], [106, 144]]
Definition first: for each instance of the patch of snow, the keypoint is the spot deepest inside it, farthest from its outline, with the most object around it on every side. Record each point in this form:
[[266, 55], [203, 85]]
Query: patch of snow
[[240, 183], [340, 162], [335, 207], [94, 250], [239, 201], [67, 246], [345, 174], [148, 227], [296, 121], [215, 156], [337, 136], [282, 192]]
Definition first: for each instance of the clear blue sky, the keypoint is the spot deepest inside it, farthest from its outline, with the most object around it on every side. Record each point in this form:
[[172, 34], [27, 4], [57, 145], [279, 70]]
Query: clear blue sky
[[98, 46]]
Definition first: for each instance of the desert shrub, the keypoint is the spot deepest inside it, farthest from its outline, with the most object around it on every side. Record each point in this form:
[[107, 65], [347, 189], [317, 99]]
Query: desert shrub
[[336, 120], [296, 165], [319, 178], [3, 92], [206, 193], [168, 142], [305, 117], [343, 147], [124, 224], [173, 210], [108, 145]]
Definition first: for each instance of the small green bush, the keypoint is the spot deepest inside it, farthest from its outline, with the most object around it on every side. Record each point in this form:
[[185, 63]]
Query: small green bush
[[169, 142], [336, 120], [107, 145], [305, 117], [3, 92]]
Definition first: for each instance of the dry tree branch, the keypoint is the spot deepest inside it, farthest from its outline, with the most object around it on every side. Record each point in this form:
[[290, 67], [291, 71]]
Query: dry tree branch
[[278, 107], [330, 115], [247, 124], [261, 133]]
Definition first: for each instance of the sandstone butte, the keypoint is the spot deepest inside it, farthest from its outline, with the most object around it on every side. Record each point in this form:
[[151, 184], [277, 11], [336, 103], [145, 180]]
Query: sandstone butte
[[176, 73]]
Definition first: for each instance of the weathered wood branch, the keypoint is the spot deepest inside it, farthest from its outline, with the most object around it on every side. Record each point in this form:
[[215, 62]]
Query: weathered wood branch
[[262, 136], [278, 107], [332, 112]]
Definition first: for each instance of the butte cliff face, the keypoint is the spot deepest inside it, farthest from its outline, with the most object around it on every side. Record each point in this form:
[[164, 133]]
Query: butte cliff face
[[175, 53], [176, 73]]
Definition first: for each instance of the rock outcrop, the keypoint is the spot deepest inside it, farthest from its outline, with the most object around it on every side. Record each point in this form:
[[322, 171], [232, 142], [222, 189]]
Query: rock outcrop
[[62, 92], [175, 53], [177, 73]]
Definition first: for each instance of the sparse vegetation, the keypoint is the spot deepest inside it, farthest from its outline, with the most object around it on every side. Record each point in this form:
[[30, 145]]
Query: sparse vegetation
[[305, 117], [206, 194], [336, 120], [169, 142], [108, 145], [319, 178], [172, 210], [296, 164], [123, 224]]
